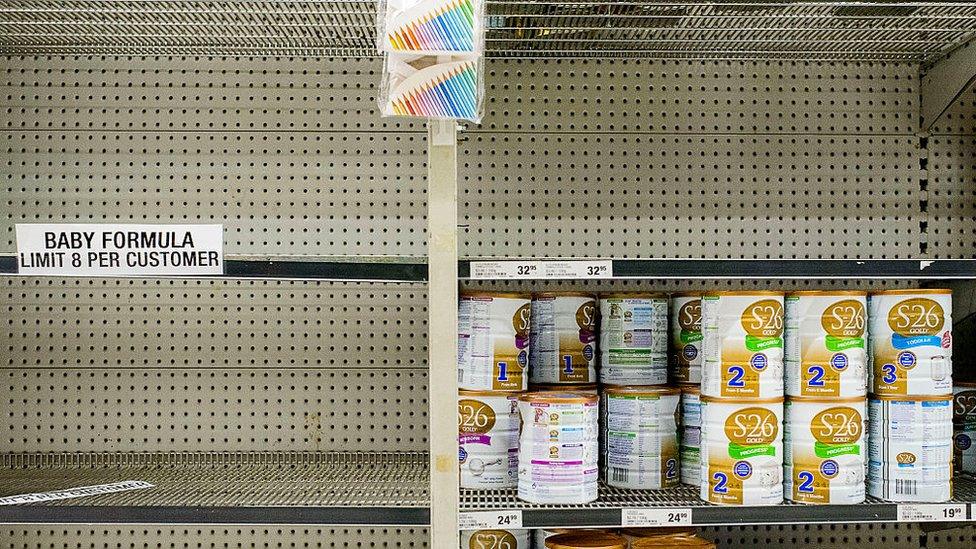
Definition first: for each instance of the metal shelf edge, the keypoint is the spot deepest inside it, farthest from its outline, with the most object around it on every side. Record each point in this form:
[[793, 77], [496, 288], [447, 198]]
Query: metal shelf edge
[[69, 514]]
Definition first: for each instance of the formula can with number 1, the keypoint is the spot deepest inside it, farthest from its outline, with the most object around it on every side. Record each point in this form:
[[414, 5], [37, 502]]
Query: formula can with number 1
[[493, 341], [910, 345], [742, 451], [495, 539], [826, 350], [743, 336], [634, 338], [563, 342], [686, 338], [825, 448], [910, 448]]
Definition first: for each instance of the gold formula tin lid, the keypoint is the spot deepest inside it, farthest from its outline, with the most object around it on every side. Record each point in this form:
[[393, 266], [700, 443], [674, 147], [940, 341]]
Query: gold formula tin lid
[[910, 398], [558, 397], [538, 295], [478, 293], [624, 295], [826, 400], [827, 292], [672, 542], [692, 388], [470, 392], [641, 390], [573, 387], [689, 293], [721, 293], [911, 291], [586, 540], [641, 533], [742, 400]]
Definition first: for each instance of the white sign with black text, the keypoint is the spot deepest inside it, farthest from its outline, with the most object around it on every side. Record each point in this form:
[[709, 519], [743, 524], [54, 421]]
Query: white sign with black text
[[118, 250]]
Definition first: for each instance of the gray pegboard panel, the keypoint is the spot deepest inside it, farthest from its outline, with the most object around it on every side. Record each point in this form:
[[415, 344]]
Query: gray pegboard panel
[[211, 323], [951, 537], [702, 196], [164, 410], [821, 536], [660, 96], [951, 196], [208, 537], [679, 285], [289, 155], [960, 118]]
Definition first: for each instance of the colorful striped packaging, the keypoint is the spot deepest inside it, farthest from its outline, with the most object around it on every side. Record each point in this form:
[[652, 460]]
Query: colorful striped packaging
[[424, 87], [431, 27]]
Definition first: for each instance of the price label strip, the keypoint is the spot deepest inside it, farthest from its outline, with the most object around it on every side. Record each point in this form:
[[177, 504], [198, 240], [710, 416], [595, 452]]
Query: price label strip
[[934, 512], [481, 520], [655, 517], [534, 270]]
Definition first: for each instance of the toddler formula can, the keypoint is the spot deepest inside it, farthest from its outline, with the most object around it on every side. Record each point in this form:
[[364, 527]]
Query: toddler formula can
[[588, 388], [825, 450], [910, 346], [686, 337], [826, 349], [634, 339], [495, 539], [586, 539], [488, 435], [964, 449], [563, 336], [641, 434], [743, 336], [964, 403], [742, 451], [910, 448], [558, 451], [493, 341]]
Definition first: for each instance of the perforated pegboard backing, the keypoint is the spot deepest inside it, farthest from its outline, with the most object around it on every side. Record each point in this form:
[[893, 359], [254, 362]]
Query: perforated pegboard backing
[[290, 155], [208, 537], [951, 176], [633, 158], [821, 536]]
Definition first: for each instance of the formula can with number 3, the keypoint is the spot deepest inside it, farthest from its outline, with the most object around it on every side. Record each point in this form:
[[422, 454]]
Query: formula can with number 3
[[826, 350], [563, 338], [825, 450], [493, 341], [495, 539], [910, 349], [742, 451], [743, 336]]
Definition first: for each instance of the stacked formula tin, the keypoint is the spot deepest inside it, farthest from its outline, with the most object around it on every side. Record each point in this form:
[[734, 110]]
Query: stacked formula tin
[[910, 367], [742, 398], [685, 370], [964, 427], [826, 386]]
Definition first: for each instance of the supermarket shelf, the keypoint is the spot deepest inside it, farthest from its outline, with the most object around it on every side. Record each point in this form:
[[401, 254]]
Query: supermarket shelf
[[223, 488], [691, 29], [372, 269], [921, 269], [608, 510]]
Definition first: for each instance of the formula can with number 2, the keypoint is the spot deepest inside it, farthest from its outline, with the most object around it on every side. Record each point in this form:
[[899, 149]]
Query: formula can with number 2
[[743, 336], [742, 451], [826, 350], [910, 350], [563, 338], [641, 434], [493, 341]]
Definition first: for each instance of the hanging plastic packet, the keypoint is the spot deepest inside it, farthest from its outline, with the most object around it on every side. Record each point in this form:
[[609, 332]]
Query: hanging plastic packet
[[431, 27], [444, 87]]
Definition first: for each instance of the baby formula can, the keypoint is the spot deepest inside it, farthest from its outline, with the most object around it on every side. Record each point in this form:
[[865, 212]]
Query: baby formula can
[[742, 451], [634, 339], [743, 336], [588, 388], [558, 453], [825, 450], [690, 455], [826, 349], [964, 450], [540, 535], [495, 539], [641, 437], [488, 435], [563, 338], [586, 539], [910, 448], [910, 349], [493, 341], [690, 405], [686, 337], [671, 538], [964, 403]]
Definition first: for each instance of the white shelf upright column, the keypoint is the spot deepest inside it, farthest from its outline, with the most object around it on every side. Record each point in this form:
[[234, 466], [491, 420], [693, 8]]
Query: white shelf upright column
[[442, 289]]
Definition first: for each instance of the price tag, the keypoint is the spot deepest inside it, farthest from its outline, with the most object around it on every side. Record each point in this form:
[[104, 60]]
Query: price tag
[[933, 512], [579, 269], [656, 517], [506, 270], [479, 520]]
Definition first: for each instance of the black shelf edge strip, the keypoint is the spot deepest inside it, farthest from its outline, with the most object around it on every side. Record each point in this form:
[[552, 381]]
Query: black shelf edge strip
[[561, 518], [379, 516], [785, 514]]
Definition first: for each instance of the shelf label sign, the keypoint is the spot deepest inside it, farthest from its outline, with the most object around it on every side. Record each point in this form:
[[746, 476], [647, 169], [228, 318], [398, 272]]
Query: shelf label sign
[[66, 249], [79, 492], [533, 270], [480, 520], [655, 517], [933, 512]]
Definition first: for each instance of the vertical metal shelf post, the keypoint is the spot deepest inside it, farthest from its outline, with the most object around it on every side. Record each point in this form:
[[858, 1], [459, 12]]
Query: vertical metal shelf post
[[442, 289]]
